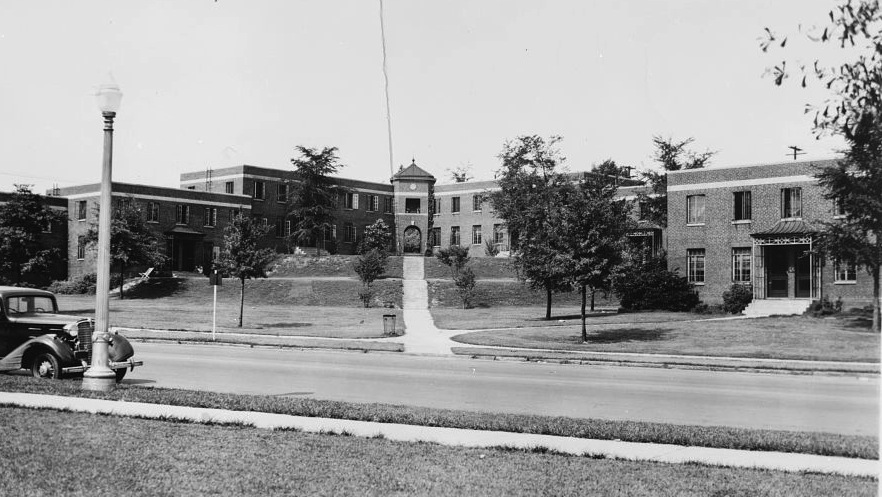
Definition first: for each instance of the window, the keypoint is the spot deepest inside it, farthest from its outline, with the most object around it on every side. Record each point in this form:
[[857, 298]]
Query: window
[[191, 187], [233, 214], [454, 235], [182, 214], [264, 222], [81, 248], [280, 227], [412, 206], [435, 237], [498, 234], [215, 253], [476, 234], [228, 187], [210, 217], [281, 193], [350, 234], [387, 205], [331, 234], [791, 202], [152, 212], [642, 210], [838, 208], [454, 204], [742, 209], [695, 209], [287, 227], [81, 210], [844, 272], [373, 203], [350, 201], [477, 202], [259, 191], [695, 265], [741, 265]]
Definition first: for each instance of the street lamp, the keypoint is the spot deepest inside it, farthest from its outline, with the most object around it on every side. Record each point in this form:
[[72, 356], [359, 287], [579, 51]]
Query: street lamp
[[99, 376]]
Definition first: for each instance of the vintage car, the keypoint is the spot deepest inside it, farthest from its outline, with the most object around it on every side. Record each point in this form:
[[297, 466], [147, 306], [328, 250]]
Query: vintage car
[[35, 336]]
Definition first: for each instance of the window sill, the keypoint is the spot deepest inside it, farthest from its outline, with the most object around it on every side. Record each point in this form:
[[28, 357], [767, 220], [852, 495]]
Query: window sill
[[742, 221], [839, 217], [845, 282], [697, 283], [798, 218], [689, 225], [152, 222], [258, 199], [208, 226]]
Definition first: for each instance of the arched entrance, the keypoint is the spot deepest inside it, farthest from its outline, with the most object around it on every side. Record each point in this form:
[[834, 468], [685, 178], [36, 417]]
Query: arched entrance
[[413, 240]]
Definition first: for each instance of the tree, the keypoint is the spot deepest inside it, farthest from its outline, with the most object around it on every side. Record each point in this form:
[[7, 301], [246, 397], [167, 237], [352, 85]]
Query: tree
[[527, 201], [377, 236], [241, 256], [313, 195], [23, 218], [853, 111], [457, 259], [671, 155], [461, 173], [369, 266], [132, 242], [596, 225]]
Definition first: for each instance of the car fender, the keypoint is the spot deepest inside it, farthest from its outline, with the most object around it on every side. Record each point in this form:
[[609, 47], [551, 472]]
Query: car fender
[[119, 349], [21, 356]]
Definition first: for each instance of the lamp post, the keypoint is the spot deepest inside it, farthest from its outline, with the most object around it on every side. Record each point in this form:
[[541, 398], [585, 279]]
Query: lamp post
[[99, 376]]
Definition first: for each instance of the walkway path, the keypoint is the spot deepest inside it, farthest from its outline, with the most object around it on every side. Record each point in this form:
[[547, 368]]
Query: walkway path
[[422, 336], [460, 437]]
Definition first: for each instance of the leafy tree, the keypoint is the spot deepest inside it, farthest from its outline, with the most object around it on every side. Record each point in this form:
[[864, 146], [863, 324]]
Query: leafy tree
[[241, 256], [648, 284], [457, 259], [853, 111], [377, 236], [671, 155], [132, 242], [369, 266], [23, 218], [461, 173], [312, 197], [595, 226], [528, 201]]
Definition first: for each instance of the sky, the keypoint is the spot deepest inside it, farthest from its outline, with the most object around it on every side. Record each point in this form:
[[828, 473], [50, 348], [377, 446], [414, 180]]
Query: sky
[[211, 84]]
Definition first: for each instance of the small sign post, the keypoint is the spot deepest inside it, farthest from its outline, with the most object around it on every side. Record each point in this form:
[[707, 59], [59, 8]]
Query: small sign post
[[215, 281]]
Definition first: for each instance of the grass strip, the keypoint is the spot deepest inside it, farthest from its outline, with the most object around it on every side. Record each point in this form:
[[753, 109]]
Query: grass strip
[[287, 342], [59, 453], [827, 444]]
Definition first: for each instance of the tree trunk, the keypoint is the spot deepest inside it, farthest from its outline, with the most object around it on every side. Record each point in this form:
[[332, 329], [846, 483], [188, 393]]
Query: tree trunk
[[584, 331], [593, 292], [122, 279], [241, 301], [877, 301], [548, 303]]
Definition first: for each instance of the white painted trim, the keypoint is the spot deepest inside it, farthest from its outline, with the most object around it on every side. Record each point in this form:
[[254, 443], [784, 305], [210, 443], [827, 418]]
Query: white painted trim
[[758, 164], [277, 179], [176, 200], [453, 193], [740, 183]]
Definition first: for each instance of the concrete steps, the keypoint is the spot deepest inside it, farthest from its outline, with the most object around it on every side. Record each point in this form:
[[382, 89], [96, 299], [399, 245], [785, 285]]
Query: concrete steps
[[416, 290], [776, 307]]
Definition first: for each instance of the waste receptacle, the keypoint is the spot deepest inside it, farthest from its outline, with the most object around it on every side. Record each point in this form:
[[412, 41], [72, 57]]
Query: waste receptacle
[[389, 324]]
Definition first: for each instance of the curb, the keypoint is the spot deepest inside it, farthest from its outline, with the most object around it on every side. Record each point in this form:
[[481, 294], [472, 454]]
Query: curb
[[664, 453]]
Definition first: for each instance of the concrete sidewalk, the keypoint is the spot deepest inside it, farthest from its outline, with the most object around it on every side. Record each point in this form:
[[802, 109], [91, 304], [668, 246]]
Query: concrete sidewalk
[[663, 453], [422, 336]]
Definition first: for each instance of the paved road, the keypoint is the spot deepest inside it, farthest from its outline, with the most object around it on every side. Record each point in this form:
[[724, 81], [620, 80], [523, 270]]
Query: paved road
[[836, 404]]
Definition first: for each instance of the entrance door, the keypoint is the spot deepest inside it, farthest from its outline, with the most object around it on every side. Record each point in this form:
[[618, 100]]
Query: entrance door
[[803, 272], [413, 240], [777, 263]]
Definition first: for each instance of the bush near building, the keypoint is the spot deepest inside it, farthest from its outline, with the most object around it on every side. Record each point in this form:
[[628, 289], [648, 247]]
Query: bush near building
[[649, 285], [737, 298]]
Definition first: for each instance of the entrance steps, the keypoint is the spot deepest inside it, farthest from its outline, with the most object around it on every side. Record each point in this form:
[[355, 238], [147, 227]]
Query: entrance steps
[[776, 307]]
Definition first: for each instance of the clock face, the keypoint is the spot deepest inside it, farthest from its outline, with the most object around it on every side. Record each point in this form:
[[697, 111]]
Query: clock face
[[413, 186]]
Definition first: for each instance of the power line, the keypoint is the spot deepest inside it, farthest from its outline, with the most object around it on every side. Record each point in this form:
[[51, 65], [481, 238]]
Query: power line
[[386, 89]]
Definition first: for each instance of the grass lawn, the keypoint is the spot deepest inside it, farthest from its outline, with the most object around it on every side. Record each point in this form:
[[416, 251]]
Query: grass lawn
[[527, 316], [484, 267], [62, 453], [631, 431], [794, 337], [504, 293], [308, 266], [111, 456], [318, 308]]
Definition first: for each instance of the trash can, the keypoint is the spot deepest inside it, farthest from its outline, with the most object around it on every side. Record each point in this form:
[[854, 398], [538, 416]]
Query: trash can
[[389, 324]]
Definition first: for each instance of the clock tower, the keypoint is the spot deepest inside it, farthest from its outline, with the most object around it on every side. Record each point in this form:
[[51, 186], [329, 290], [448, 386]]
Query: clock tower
[[414, 193]]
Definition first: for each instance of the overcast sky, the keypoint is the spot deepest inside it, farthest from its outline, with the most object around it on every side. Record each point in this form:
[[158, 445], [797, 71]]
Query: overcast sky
[[214, 84]]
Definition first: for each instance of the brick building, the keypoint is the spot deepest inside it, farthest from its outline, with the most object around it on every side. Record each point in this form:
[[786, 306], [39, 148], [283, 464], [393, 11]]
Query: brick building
[[756, 225]]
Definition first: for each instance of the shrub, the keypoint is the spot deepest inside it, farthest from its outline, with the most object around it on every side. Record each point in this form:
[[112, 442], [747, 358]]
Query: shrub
[[649, 285], [736, 298], [823, 307], [369, 267], [82, 284], [457, 258], [490, 248], [702, 308]]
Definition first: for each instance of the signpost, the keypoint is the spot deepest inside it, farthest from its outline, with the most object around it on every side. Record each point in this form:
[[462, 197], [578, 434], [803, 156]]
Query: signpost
[[215, 281]]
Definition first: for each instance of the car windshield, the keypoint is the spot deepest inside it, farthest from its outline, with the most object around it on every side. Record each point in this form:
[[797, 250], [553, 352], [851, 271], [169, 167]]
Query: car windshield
[[24, 304]]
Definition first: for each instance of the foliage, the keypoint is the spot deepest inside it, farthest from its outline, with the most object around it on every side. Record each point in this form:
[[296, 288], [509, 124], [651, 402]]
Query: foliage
[[854, 111], [736, 298], [23, 218], [132, 242], [610, 168], [824, 307], [241, 257], [369, 267], [312, 195], [84, 284], [457, 259], [528, 201], [671, 155], [461, 173], [377, 236], [708, 309], [490, 248], [649, 285]]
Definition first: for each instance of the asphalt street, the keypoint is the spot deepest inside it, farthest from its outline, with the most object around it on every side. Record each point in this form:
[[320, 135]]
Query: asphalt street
[[835, 404]]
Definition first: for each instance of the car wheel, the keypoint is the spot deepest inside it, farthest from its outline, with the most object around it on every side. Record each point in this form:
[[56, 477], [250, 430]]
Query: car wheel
[[45, 365], [120, 374]]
